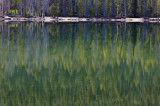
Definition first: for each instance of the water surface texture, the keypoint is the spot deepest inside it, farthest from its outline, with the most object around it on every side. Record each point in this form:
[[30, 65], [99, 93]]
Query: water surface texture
[[83, 64]]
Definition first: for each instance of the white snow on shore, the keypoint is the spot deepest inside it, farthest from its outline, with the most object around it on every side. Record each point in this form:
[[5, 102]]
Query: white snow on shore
[[134, 19], [77, 19]]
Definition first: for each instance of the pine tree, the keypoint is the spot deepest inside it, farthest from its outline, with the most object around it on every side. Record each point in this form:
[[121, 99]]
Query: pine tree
[[134, 6]]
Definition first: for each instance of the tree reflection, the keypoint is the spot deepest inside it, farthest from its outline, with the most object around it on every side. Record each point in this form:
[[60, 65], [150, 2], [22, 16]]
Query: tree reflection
[[79, 64]]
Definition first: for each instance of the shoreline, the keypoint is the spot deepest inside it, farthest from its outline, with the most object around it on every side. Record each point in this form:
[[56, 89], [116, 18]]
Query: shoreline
[[78, 19]]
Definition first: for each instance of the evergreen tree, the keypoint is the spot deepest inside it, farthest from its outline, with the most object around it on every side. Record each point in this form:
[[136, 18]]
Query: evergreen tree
[[85, 8], [113, 9], [134, 7]]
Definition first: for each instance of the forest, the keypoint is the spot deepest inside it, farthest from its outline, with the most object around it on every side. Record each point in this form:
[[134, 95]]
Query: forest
[[81, 8]]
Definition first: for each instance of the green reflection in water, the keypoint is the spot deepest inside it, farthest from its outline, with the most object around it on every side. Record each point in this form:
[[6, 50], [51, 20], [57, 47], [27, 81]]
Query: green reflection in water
[[79, 64]]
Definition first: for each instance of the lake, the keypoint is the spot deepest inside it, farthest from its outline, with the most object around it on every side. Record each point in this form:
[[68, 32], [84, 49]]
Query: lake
[[84, 64]]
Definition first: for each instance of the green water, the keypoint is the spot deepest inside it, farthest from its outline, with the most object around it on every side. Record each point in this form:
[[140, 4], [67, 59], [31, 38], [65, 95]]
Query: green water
[[79, 64]]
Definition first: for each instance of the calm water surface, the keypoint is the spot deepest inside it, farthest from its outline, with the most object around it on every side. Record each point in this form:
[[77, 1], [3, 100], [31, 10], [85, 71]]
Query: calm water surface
[[83, 64]]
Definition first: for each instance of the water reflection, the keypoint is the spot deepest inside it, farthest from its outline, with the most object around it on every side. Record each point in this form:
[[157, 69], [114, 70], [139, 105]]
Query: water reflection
[[79, 64]]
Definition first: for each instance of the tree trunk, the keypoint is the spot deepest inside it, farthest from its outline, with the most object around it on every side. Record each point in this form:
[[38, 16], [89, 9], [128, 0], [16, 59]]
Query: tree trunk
[[125, 8], [113, 11], [96, 3], [104, 8]]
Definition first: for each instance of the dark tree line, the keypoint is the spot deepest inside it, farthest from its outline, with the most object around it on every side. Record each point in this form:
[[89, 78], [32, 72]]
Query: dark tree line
[[82, 8]]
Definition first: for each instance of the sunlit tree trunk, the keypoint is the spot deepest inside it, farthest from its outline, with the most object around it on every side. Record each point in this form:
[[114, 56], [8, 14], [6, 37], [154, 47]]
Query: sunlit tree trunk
[[125, 8]]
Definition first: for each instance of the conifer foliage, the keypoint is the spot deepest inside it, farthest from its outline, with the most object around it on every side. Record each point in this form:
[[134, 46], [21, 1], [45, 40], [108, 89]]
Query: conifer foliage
[[82, 8]]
